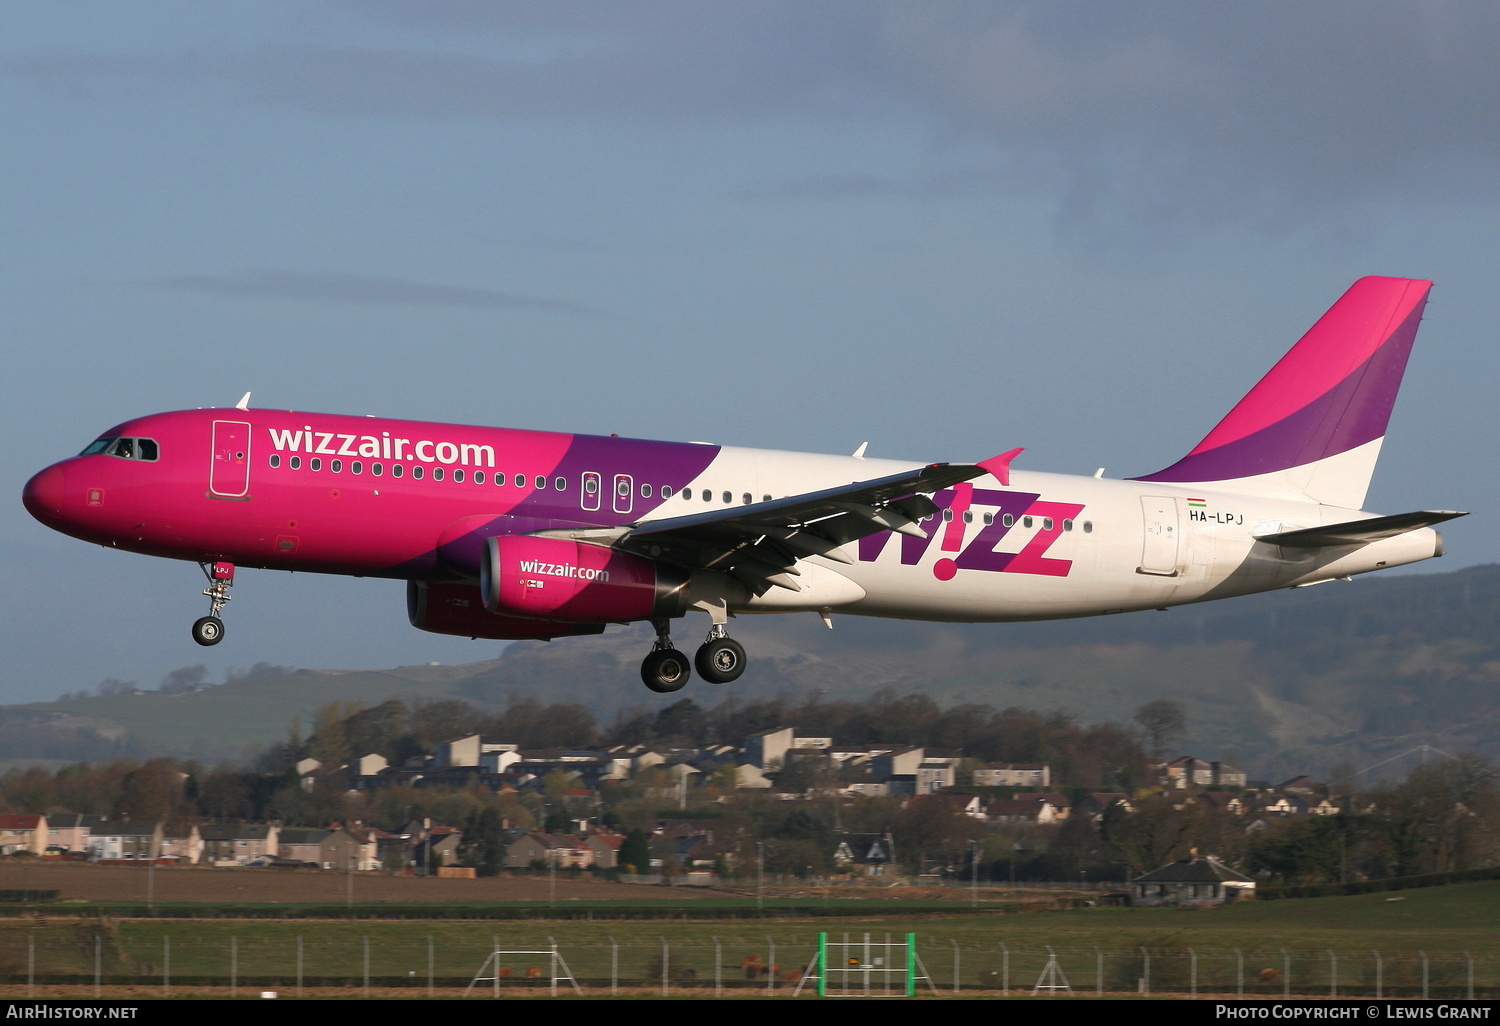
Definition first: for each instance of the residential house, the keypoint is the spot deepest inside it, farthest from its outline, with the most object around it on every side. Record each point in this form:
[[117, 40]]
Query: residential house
[[563, 851], [1192, 881], [1014, 774], [67, 832], [236, 844], [113, 839], [22, 832], [768, 748], [302, 844]]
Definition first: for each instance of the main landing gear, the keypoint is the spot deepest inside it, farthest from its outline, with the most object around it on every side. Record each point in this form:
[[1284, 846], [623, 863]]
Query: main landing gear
[[720, 660], [209, 630]]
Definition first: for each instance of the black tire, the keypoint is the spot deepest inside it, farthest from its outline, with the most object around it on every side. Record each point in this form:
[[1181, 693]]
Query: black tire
[[720, 661], [665, 670], [208, 630]]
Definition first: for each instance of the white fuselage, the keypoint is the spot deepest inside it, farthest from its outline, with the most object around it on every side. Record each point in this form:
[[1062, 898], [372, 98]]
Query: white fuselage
[[1075, 546]]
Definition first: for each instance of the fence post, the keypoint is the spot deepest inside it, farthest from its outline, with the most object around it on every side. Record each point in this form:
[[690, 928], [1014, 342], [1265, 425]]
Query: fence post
[[1470, 959], [771, 975], [234, 966], [718, 969], [1004, 970], [1424, 974], [1192, 974], [166, 965], [1379, 973], [1239, 973], [366, 939], [429, 965], [614, 967], [98, 959], [1333, 974], [1146, 974], [955, 964], [1286, 974], [666, 958], [31, 965]]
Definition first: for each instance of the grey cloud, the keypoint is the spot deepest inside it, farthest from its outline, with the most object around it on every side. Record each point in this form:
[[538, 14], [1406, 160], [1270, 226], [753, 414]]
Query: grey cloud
[[337, 287], [1156, 115]]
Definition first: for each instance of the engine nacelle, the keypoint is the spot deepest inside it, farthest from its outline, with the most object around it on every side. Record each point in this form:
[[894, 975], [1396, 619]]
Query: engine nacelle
[[459, 609], [557, 579]]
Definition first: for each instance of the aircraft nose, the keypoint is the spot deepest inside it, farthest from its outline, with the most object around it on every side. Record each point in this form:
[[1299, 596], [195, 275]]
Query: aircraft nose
[[44, 493]]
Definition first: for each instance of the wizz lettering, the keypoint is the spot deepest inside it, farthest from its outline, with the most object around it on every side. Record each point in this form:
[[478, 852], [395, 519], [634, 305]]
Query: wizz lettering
[[980, 554]]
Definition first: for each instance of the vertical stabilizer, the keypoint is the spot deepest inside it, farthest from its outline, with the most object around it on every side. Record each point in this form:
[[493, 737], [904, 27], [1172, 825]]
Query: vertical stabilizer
[[1312, 427]]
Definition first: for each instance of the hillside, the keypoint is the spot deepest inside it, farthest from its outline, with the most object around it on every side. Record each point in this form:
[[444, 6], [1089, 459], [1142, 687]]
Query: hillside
[[1280, 683]]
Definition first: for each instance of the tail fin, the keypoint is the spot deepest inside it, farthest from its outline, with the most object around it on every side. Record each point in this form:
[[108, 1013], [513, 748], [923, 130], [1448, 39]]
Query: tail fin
[[1312, 427]]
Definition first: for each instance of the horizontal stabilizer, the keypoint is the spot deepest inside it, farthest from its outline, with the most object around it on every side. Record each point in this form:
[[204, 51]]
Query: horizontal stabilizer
[[1359, 532]]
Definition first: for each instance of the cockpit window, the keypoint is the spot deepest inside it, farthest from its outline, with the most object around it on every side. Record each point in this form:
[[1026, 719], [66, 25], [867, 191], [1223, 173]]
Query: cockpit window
[[124, 448]]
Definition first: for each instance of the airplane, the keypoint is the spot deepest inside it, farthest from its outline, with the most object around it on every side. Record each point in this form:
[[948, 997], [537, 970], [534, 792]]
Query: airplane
[[512, 534]]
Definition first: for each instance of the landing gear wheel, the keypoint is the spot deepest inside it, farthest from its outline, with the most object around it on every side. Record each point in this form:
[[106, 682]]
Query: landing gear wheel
[[665, 670], [208, 630], [720, 660]]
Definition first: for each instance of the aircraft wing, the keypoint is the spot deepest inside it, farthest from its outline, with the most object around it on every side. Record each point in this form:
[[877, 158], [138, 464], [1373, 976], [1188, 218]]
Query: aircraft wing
[[760, 543], [1359, 532]]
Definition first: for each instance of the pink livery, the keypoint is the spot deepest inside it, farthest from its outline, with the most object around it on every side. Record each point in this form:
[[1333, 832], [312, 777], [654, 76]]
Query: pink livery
[[510, 534]]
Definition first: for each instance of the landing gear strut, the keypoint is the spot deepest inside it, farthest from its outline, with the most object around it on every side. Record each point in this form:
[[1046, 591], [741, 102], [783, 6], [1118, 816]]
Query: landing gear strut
[[720, 659], [665, 669], [209, 630]]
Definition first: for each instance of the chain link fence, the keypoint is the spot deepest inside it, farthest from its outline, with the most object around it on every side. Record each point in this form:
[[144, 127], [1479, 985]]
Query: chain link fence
[[109, 959]]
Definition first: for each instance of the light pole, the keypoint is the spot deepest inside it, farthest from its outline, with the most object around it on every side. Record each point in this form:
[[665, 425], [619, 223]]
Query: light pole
[[760, 875], [974, 873]]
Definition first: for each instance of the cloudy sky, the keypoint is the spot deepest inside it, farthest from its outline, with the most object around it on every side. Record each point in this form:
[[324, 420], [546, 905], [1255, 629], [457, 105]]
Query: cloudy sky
[[946, 228]]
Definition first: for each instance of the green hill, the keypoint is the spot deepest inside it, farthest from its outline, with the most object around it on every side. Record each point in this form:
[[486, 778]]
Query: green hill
[[1289, 682]]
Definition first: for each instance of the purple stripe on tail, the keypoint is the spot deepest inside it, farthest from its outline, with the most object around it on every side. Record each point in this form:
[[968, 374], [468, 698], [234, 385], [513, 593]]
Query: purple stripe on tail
[[1321, 399]]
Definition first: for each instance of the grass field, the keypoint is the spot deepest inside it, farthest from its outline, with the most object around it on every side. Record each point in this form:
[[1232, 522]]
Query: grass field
[[1306, 946]]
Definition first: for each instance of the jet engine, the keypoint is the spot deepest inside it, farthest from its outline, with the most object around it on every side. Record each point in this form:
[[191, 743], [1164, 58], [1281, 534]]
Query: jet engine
[[459, 609], [557, 579]]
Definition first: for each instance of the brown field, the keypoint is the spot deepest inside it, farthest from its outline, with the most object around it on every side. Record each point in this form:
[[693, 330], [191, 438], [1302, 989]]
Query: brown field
[[80, 881]]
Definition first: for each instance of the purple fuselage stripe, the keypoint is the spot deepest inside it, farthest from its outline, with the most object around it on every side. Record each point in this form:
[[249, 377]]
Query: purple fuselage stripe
[[645, 462]]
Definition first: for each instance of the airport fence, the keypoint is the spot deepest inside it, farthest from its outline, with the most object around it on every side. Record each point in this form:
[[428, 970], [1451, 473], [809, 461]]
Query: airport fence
[[102, 960]]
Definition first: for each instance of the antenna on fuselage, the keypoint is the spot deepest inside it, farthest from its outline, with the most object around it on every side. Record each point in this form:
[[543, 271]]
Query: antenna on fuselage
[[244, 403]]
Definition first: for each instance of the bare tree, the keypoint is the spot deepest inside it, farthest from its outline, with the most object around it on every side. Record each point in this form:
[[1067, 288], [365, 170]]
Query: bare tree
[[1165, 724]]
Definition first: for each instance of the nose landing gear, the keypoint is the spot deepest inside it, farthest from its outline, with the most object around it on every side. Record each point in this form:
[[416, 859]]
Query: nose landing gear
[[209, 630]]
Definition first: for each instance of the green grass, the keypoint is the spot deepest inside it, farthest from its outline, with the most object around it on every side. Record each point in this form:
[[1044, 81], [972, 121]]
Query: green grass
[[1314, 938]]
